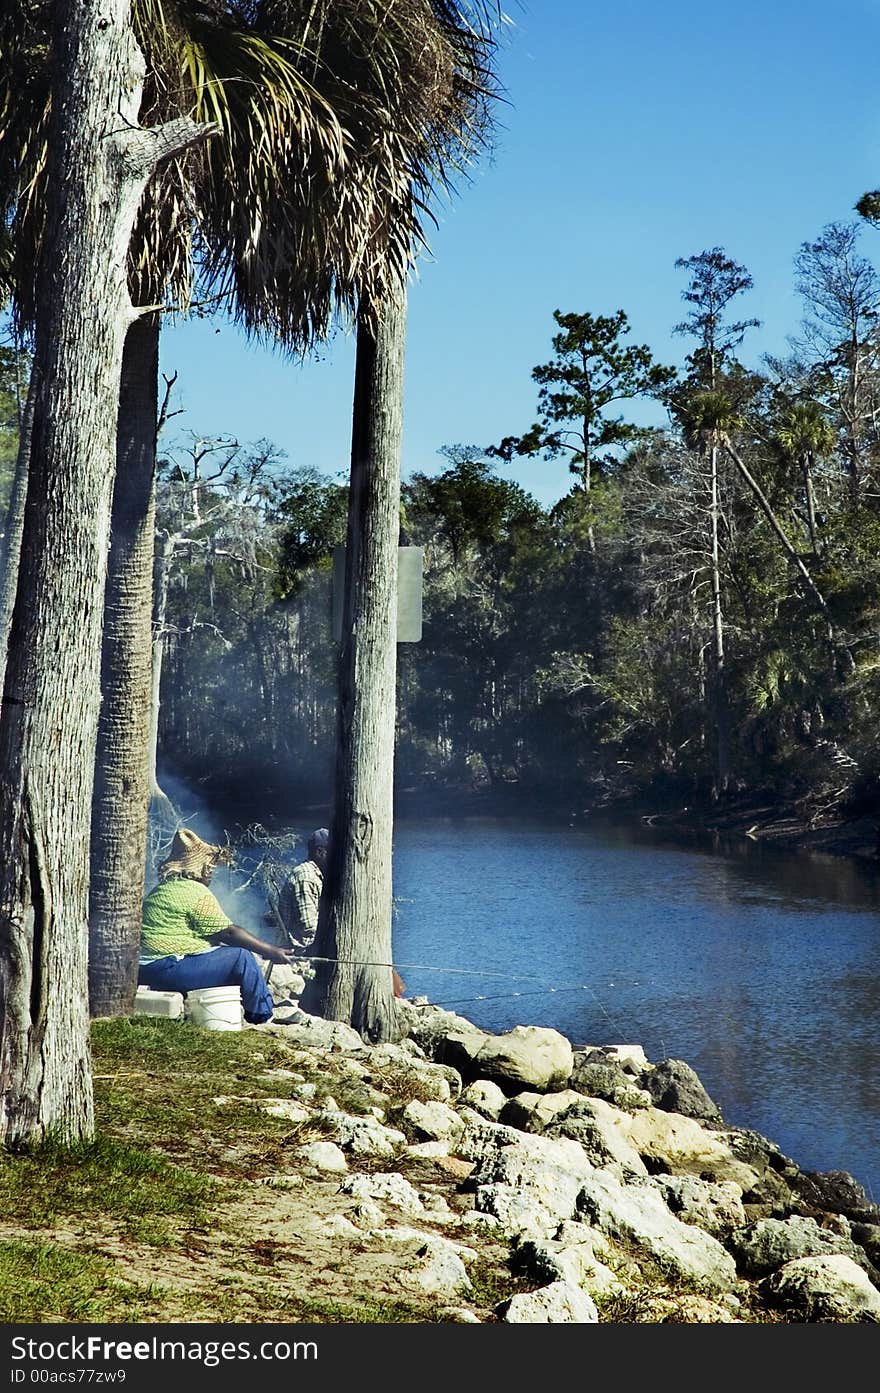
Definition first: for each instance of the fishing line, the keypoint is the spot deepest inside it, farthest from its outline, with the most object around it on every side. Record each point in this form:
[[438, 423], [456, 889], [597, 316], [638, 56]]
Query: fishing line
[[471, 972], [419, 967], [508, 996], [453, 971]]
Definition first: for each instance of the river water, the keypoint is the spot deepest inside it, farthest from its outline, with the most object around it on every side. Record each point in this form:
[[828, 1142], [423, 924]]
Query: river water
[[760, 968]]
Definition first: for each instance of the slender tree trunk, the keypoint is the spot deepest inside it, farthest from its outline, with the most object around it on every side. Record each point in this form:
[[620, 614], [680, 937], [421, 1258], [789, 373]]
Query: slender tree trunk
[[810, 493], [355, 916], [119, 810], [15, 523], [776, 525], [99, 161], [778, 529], [852, 416], [587, 478], [160, 805], [719, 675]]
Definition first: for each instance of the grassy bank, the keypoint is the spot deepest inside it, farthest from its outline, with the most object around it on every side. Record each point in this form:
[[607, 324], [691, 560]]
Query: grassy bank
[[191, 1205]]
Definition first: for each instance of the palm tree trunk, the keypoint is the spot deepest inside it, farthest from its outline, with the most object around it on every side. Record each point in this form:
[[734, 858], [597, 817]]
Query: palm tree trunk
[[15, 523], [119, 810], [160, 806], [355, 917]]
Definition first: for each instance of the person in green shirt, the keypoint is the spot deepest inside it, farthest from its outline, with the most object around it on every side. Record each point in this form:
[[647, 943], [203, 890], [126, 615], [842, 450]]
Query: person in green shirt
[[188, 940]]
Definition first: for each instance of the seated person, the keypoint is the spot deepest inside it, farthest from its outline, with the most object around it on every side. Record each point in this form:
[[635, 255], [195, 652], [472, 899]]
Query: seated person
[[189, 942]]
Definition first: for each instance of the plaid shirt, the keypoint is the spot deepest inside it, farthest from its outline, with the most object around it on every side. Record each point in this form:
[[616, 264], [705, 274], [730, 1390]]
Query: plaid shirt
[[298, 903]]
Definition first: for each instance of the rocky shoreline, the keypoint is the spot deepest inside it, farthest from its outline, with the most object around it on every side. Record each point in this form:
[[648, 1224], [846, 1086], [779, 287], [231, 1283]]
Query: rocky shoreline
[[611, 1184]]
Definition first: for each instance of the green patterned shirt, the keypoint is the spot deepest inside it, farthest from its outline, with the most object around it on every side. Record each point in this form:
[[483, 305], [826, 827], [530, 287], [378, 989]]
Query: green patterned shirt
[[180, 918]]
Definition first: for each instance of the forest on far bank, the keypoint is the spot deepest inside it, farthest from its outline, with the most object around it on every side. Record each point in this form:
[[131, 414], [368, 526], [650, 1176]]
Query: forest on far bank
[[697, 619]]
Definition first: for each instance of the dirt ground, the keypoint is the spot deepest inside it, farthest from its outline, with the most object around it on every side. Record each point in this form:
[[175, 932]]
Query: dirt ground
[[277, 1238]]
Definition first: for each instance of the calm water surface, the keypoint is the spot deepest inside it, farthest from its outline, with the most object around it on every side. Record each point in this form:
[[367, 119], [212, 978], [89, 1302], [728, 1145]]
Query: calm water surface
[[759, 968]]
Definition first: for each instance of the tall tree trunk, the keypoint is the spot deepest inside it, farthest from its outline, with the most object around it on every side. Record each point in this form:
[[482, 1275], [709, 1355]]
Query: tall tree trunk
[[355, 917], [15, 522], [99, 161], [810, 494], [718, 684], [119, 809], [160, 806], [587, 478]]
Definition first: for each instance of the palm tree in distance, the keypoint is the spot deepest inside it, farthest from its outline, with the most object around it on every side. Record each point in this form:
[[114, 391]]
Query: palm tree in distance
[[805, 434], [710, 415]]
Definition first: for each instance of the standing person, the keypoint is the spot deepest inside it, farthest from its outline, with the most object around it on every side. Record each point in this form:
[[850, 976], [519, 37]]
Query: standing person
[[300, 895], [300, 898], [189, 942]]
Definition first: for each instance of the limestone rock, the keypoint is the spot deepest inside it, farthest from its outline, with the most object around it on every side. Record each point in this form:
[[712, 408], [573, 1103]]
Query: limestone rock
[[715, 1207], [762, 1247], [636, 1215], [550, 1260], [446, 1037], [529, 1055], [823, 1288], [386, 1187], [314, 1032], [324, 1156], [556, 1304], [438, 1269], [682, 1146], [532, 1112], [433, 1121], [362, 1136], [837, 1191], [486, 1097]]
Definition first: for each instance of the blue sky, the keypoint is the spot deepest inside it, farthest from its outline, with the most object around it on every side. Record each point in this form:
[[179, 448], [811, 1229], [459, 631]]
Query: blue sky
[[632, 133]]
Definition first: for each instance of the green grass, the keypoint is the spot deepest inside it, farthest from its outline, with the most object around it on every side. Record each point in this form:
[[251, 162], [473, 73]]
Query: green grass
[[491, 1283], [161, 1077], [45, 1282], [103, 1177], [152, 1042], [165, 1159]]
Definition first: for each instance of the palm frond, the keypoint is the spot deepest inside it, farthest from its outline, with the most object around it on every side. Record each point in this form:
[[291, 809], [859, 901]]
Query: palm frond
[[340, 122]]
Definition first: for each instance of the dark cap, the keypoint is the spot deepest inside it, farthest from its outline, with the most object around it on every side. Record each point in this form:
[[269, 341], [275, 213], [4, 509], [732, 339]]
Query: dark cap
[[319, 840]]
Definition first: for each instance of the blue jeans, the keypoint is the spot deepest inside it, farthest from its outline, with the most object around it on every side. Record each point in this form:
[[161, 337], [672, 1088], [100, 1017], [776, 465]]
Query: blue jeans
[[222, 967]]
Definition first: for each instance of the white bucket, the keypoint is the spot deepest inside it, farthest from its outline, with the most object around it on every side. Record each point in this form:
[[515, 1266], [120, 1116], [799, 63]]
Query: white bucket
[[215, 1008]]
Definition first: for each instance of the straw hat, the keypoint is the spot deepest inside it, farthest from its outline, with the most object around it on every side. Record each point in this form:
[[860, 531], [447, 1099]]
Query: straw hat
[[190, 856]]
